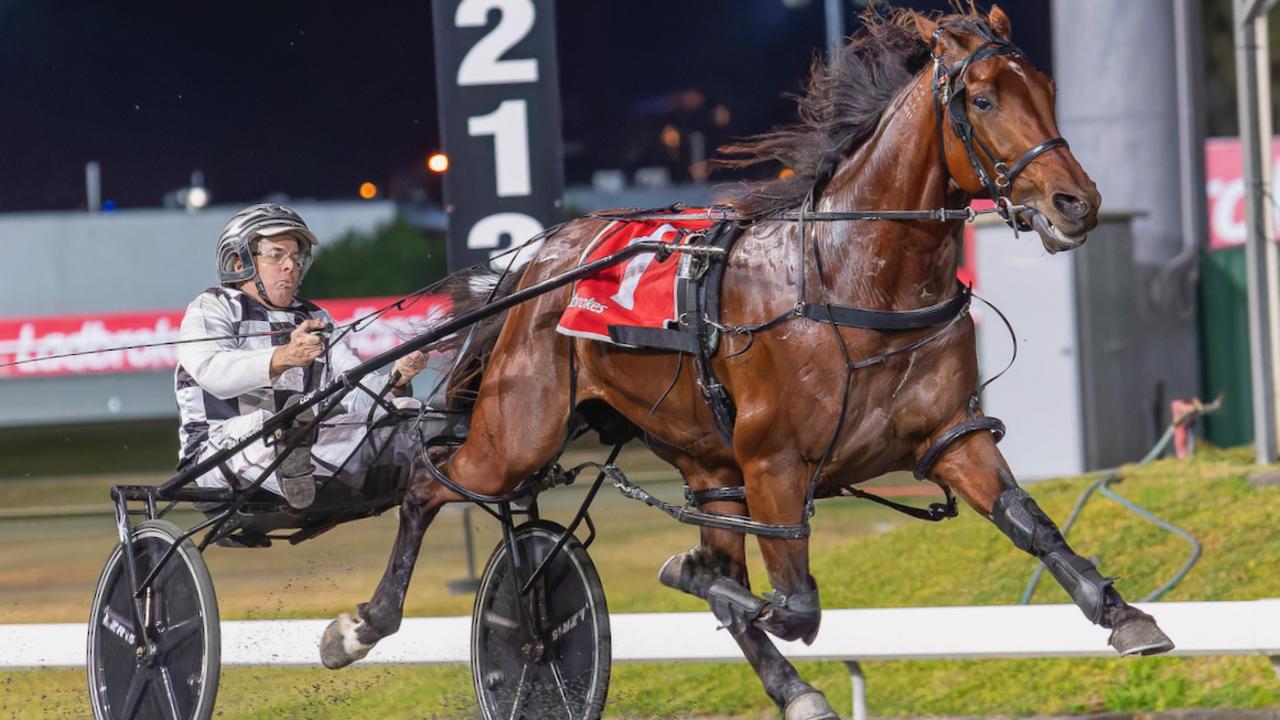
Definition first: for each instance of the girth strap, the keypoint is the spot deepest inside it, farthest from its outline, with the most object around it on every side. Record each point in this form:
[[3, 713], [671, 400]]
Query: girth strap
[[857, 317], [939, 446]]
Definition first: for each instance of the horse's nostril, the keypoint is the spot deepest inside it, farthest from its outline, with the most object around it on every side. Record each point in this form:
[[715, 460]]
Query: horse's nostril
[[1070, 205]]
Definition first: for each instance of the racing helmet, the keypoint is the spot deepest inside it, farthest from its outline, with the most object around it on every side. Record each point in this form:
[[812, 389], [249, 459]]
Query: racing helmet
[[258, 221]]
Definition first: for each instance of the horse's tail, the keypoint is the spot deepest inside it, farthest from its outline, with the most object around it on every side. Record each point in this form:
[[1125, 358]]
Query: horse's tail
[[468, 290]]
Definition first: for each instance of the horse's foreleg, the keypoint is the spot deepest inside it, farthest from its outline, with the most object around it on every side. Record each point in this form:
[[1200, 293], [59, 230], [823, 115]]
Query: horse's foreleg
[[347, 638], [776, 492], [975, 469], [791, 612], [716, 571]]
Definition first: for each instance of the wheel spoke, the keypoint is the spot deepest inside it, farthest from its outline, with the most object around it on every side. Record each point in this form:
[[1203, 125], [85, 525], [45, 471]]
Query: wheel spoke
[[523, 608], [173, 635], [555, 673], [168, 701], [515, 702], [496, 620], [525, 623], [137, 687]]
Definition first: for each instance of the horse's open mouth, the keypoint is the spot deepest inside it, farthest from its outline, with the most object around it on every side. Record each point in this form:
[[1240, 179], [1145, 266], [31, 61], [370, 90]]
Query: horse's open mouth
[[1053, 237]]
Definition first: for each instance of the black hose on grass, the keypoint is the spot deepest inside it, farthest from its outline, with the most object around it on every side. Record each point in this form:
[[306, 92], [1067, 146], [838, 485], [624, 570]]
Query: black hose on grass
[[1113, 476]]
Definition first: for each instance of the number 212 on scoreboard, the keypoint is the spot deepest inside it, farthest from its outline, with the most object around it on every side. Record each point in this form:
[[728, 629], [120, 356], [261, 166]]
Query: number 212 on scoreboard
[[499, 106]]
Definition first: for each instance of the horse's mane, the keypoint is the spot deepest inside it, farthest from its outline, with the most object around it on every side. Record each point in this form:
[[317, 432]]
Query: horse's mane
[[839, 109]]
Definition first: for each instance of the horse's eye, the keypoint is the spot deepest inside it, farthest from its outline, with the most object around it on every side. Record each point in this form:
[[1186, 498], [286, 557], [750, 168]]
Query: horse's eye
[[981, 102]]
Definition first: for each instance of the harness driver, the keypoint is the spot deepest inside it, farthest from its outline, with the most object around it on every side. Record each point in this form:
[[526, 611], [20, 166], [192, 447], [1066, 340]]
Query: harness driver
[[266, 351]]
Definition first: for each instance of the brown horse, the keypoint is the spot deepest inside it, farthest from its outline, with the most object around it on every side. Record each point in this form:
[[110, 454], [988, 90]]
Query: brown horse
[[884, 125]]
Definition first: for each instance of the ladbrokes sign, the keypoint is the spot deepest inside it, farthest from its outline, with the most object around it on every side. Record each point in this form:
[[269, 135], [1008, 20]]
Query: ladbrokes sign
[[1224, 185], [23, 339]]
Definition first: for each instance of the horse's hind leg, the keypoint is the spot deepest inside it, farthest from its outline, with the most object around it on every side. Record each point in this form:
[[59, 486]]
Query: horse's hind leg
[[716, 571], [517, 427], [482, 468], [975, 469], [348, 639]]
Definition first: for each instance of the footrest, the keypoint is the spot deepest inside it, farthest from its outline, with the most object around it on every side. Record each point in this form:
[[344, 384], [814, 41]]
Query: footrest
[[243, 541], [702, 518]]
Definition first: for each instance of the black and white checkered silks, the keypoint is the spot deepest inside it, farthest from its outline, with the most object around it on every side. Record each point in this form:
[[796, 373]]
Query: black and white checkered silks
[[225, 392]]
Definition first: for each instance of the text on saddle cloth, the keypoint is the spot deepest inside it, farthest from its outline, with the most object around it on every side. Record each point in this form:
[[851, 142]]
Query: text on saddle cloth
[[632, 303]]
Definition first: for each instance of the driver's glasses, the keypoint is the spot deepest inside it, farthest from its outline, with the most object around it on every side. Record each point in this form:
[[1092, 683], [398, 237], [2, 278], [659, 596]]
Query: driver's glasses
[[276, 256]]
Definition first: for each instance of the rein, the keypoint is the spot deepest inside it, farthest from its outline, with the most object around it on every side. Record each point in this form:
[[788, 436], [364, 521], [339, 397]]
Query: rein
[[728, 214]]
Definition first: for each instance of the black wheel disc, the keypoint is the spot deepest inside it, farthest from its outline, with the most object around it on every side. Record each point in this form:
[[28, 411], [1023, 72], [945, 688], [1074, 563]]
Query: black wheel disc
[[544, 655], [174, 676]]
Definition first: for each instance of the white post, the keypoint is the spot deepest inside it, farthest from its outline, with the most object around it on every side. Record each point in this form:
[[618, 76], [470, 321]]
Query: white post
[[859, 682], [92, 187], [1254, 91], [1188, 49], [835, 24]]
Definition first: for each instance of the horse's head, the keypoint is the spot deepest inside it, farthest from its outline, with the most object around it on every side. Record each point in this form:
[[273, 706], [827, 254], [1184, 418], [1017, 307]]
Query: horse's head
[[999, 136]]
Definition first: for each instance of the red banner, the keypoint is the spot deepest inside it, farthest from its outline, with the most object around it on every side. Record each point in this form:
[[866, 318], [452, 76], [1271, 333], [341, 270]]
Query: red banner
[[1224, 186], [24, 339]]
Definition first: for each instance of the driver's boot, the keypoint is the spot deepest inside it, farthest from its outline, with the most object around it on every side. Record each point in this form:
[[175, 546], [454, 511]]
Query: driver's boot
[[297, 481], [296, 473]]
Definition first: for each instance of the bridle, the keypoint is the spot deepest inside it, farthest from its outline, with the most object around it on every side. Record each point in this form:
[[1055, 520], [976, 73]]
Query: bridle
[[951, 98]]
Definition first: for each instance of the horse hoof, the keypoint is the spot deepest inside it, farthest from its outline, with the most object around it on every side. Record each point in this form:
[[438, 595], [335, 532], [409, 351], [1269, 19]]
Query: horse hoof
[[809, 706], [1140, 636], [675, 572], [339, 646]]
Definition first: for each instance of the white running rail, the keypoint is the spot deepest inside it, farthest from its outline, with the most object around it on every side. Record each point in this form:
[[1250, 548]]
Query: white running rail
[[1249, 627]]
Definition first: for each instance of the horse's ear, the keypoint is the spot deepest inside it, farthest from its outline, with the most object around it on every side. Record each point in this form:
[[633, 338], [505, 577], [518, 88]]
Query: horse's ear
[[925, 26], [999, 22]]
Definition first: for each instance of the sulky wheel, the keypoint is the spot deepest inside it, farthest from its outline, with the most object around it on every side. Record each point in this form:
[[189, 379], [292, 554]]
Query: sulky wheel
[[174, 675], [545, 655]]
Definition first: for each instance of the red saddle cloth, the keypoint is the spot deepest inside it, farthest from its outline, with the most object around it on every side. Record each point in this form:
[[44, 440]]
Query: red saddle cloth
[[637, 293]]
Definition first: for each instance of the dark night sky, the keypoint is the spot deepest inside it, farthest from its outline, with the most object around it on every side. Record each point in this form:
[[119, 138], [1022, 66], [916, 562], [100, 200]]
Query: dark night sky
[[311, 98]]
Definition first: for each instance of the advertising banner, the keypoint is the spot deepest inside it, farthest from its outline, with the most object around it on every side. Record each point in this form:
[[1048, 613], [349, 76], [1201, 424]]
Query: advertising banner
[[23, 339], [1224, 185]]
